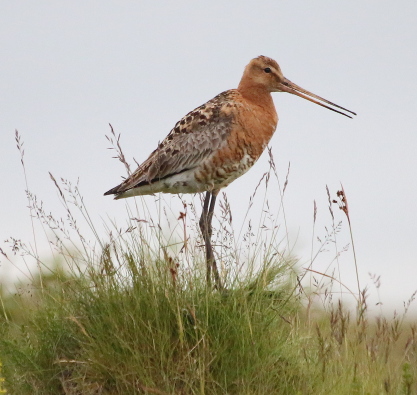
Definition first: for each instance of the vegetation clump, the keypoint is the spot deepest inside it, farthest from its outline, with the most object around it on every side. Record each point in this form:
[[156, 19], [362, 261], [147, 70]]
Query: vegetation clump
[[131, 312]]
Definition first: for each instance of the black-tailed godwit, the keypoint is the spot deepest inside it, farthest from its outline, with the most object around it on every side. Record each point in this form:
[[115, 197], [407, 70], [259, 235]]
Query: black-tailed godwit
[[216, 143]]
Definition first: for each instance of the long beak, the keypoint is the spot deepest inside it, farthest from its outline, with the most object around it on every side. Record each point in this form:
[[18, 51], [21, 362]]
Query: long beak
[[290, 87]]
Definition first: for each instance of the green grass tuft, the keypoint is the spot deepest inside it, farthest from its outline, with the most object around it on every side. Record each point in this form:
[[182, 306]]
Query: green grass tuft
[[154, 335]]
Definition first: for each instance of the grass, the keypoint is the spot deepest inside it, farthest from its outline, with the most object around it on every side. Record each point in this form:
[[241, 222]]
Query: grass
[[130, 312], [152, 336]]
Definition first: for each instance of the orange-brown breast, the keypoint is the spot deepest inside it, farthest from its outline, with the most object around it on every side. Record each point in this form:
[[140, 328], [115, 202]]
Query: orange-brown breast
[[254, 123]]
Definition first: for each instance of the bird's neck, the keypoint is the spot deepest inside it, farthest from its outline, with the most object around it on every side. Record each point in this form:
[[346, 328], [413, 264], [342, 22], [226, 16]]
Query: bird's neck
[[257, 94]]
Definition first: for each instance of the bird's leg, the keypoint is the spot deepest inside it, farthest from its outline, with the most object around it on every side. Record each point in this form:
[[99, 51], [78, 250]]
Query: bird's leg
[[207, 230], [210, 258]]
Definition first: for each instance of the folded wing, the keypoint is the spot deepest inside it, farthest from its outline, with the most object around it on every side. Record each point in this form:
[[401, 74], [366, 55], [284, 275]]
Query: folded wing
[[191, 142]]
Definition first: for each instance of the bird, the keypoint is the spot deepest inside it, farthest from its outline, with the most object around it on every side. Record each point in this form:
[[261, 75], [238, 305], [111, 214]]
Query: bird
[[216, 143]]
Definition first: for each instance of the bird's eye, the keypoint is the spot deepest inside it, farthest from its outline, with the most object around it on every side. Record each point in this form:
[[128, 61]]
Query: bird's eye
[[267, 70]]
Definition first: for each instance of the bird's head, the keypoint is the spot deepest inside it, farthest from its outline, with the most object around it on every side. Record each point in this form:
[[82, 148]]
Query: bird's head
[[265, 73]]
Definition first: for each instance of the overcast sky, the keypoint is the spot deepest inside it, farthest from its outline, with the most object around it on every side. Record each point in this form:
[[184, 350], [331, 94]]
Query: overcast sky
[[69, 68]]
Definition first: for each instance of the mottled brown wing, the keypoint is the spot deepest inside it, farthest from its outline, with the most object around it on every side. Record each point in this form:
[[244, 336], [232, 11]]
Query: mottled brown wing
[[194, 138]]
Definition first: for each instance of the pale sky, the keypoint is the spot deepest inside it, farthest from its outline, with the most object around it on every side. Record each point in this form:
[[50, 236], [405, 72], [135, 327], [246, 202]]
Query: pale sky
[[68, 69]]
